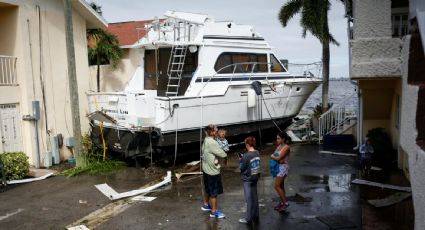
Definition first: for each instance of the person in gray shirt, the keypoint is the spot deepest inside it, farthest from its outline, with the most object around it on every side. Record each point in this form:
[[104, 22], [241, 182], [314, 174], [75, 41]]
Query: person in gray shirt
[[249, 164]]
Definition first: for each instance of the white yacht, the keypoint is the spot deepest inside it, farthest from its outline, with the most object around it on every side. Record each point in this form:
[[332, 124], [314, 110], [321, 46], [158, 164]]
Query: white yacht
[[195, 71]]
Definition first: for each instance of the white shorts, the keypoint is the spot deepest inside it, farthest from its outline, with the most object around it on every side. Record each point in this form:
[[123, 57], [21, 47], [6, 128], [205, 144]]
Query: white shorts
[[283, 170]]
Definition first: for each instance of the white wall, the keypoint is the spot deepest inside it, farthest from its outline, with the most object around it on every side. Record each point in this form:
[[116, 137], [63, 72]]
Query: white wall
[[408, 135]]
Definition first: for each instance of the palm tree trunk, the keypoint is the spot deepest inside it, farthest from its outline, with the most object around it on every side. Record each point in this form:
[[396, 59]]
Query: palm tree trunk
[[325, 82], [98, 73], [98, 78]]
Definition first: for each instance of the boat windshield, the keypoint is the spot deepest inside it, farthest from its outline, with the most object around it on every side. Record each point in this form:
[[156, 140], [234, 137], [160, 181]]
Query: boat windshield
[[276, 66]]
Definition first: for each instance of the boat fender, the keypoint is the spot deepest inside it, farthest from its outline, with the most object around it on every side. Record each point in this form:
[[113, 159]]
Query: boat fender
[[257, 87], [251, 98]]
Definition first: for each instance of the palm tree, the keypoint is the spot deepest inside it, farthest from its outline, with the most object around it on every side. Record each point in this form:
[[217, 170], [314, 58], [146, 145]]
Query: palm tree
[[103, 48], [314, 19]]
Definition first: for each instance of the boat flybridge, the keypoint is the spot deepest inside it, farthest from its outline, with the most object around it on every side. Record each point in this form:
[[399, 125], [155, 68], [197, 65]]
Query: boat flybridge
[[196, 71]]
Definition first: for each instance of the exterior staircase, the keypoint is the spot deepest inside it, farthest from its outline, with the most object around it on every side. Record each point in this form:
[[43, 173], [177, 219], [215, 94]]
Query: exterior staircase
[[337, 120]]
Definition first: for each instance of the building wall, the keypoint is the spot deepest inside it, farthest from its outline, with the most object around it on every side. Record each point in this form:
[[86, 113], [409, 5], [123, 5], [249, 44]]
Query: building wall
[[114, 80], [374, 52], [408, 135], [44, 66]]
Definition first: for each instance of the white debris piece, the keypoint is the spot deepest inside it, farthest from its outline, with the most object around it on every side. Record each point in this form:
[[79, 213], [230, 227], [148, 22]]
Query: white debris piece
[[79, 227], [143, 198], [390, 200], [11, 214], [179, 175], [113, 195], [380, 185], [29, 180], [339, 154], [193, 163]]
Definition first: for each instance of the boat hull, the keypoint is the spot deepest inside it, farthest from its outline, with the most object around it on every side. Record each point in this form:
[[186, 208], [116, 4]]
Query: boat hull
[[134, 144]]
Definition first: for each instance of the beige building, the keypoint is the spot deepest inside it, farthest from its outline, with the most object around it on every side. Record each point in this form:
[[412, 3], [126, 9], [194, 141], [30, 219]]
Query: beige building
[[388, 62], [33, 67]]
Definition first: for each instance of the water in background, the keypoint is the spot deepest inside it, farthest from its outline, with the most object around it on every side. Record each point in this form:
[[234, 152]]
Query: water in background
[[338, 91]]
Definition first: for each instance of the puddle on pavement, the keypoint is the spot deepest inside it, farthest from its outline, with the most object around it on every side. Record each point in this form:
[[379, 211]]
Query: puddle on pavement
[[326, 183]]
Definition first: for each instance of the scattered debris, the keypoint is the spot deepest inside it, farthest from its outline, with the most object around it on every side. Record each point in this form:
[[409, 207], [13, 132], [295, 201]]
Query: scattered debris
[[143, 198], [30, 179], [339, 154], [82, 201], [380, 185], [390, 200], [336, 222], [102, 215], [11, 214], [179, 175], [113, 195], [79, 227], [193, 163]]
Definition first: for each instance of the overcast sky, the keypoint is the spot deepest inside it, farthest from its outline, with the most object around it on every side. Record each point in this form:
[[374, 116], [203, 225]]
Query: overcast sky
[[287, 42]]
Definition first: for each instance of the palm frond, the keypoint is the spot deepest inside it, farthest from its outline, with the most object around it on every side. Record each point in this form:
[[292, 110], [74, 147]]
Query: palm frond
[[289, 10]]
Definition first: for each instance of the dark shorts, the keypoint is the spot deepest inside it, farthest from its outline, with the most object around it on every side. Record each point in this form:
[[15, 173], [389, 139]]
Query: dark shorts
[[212, 184]]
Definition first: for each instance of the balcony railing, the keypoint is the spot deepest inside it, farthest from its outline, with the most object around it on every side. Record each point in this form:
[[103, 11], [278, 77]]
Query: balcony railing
[[8, 71]]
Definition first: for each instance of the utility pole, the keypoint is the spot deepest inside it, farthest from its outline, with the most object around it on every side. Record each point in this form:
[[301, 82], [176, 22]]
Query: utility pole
[[72, 81]]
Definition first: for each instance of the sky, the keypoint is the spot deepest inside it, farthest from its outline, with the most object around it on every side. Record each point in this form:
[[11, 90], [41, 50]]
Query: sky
[[287, 42]]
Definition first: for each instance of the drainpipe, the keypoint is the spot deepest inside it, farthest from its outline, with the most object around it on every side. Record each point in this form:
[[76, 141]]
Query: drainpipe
[[359, 119], [34, 118]]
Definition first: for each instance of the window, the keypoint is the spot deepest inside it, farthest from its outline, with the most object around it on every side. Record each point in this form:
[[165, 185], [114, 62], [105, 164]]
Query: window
[[241, 63], [275, 65], [400, 25], [223, 61]]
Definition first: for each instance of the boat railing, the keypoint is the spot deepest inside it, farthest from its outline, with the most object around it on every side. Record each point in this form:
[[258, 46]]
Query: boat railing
[[334, 119], [249, 68], [238, 67], [8, 71]]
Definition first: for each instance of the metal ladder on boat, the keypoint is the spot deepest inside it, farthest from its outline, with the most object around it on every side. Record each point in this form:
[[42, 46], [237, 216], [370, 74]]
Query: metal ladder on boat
[[175, 69]]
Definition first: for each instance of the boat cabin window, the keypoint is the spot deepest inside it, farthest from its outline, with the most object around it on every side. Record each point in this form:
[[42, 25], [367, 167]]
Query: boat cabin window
[[275, 65], [230, 62], [156, 65]]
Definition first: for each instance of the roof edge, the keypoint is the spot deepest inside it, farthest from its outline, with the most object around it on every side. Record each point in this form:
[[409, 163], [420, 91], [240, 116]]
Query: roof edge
[[94, 20]]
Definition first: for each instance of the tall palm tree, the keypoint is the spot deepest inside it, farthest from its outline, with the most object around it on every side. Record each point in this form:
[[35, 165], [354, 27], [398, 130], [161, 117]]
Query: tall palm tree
[[103, 48], [314, 19]]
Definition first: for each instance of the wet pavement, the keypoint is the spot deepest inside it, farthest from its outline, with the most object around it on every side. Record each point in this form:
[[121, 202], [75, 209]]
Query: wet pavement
[[322, 179]]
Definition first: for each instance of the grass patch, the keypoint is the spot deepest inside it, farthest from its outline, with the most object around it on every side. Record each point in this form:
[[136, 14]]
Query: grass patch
[[95, 167], [93, 163]]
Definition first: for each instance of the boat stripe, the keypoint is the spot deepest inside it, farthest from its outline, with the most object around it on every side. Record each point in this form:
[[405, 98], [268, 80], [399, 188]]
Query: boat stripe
[[225, 79], [233, 37]]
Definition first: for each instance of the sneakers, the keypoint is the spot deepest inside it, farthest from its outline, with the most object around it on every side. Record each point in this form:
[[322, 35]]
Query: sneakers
[[217, 214], [206, 207], [243, 221], [281, 206]]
